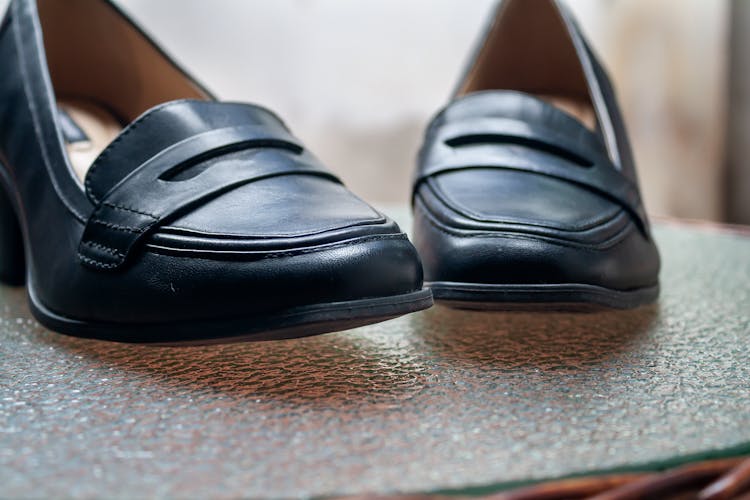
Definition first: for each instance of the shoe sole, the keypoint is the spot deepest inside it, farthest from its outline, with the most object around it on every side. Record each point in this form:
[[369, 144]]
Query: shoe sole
[[292, 323], [480, 296]]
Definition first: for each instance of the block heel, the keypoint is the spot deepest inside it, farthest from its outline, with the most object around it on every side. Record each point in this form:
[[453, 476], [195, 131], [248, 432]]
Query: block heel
[[12, 261]]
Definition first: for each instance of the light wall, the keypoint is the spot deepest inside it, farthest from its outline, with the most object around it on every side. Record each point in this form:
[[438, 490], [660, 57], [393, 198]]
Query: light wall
[[358, 80]]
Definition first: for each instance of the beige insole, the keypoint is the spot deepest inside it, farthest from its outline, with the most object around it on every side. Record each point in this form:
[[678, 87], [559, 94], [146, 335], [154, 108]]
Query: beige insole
[[100, 128], [580, 110]]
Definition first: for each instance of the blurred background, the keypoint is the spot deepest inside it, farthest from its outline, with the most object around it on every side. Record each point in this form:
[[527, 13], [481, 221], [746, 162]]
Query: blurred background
[[358, 81]]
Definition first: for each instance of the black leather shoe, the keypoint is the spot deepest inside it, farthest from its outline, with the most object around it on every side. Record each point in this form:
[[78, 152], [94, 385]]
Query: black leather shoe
[[191, 220], [526, 191]]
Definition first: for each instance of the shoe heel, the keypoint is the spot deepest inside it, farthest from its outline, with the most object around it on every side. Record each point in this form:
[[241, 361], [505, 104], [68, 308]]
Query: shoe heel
[[12, 260]]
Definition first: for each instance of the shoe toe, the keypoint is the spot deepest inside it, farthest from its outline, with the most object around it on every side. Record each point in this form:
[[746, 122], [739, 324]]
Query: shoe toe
[[506, 227], [271, 246]]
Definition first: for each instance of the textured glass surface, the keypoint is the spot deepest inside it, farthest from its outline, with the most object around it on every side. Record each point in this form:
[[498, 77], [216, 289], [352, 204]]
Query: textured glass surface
[[441, 399]]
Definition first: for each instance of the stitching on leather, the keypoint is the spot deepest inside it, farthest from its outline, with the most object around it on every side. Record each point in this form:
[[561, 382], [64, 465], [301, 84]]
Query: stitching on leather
[[128, 209], [107, 151], [109, 250], [117, 227], [96, 263], [505, 234]]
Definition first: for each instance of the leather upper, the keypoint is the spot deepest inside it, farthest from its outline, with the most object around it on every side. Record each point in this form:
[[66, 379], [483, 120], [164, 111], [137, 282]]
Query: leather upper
[[174, 158], [510, 188], [198, 209], [515, 131]]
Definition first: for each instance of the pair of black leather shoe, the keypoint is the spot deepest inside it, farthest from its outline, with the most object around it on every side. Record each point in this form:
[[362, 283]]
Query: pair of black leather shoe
[[138, 208]]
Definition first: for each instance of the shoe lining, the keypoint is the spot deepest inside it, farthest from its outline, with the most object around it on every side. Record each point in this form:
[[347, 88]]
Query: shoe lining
[[581, 111], [529, 49], [105, 72], [98, 128]]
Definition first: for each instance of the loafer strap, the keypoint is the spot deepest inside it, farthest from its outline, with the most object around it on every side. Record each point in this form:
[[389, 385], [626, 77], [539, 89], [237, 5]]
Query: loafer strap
[[164, 186], [504, 143]]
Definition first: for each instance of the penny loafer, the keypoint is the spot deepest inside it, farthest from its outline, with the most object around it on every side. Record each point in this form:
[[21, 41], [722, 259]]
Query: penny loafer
[[138, 208], [526, 191]]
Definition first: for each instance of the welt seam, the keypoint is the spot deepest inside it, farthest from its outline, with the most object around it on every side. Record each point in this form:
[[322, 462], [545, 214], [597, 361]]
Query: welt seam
[[583, 226], [609, 243], [280, 254]]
